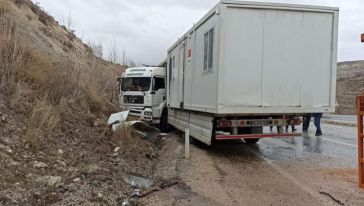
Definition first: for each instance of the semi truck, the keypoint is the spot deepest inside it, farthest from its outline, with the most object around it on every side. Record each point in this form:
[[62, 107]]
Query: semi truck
[[242, 67], [143, 92]]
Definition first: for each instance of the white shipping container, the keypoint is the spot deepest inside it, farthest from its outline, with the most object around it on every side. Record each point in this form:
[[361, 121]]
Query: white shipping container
[[256, 58]]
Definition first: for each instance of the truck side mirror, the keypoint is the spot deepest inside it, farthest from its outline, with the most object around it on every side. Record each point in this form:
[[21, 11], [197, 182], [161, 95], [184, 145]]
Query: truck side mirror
[[119, 79]]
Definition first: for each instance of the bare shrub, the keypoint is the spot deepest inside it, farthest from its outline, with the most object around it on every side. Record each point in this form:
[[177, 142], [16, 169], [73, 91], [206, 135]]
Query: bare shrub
[[43, 16], [22, 98], [97, 48], [4, 6], [43, 118], [38, 67], [19, 3], [125, 133], [44, 115], [12, 54], [94, 98]]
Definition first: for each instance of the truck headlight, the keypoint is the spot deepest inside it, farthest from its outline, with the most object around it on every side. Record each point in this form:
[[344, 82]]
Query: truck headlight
[[148, 112]]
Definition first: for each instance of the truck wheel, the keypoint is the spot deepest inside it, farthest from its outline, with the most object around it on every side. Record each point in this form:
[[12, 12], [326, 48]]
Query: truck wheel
[[163, 125]]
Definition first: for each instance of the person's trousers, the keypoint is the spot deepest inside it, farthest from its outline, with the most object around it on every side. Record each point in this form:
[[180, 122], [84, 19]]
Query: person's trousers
[[317, 122], [306, 123]]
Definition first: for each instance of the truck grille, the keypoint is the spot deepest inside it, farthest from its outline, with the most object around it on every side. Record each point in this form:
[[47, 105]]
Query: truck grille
[[134, 99]]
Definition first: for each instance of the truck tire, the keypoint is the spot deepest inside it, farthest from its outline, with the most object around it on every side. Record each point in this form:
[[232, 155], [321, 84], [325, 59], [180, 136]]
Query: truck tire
[[163, 125], [254, 130]]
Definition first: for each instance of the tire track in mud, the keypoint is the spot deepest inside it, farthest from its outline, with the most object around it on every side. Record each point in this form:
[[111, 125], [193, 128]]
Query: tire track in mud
[[246, 175], [297, 183]]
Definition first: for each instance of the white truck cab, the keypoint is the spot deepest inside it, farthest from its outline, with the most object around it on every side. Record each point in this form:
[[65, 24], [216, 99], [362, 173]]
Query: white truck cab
[[143, 92]]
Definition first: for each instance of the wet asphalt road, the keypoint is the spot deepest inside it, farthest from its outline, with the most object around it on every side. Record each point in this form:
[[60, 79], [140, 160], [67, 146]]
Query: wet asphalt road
[[343, 118], [338, 143]]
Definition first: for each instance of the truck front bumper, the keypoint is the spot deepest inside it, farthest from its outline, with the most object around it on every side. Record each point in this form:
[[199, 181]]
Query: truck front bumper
[[141, 113]]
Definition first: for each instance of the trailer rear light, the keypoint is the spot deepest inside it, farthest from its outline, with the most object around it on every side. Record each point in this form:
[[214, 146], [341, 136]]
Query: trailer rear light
[[224, 124], [242, 123], [294, 122]]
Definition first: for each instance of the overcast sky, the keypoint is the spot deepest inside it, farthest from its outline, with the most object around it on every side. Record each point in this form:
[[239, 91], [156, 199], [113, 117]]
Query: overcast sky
[[145, 29]]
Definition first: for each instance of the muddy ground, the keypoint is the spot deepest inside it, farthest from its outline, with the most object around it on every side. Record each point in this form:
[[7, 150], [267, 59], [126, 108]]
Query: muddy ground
[[80, 163], [296, 171]]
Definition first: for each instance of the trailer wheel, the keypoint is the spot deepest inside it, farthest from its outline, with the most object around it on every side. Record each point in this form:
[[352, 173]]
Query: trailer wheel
[[254, 130], [163, 125], [251, 141]]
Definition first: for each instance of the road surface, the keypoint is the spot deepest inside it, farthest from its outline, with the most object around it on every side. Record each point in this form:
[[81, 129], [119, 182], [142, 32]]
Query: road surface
[[305, 170], [349, 120]]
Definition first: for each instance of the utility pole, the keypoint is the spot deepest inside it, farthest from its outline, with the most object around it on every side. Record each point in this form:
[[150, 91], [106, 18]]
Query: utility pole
[[360, 110]]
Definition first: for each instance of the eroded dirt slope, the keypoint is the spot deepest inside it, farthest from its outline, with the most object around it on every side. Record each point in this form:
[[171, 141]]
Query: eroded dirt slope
[[350, 83], [55, 96]]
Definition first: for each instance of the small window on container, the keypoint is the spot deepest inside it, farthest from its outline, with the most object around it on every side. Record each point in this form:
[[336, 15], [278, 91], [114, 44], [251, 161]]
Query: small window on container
[[174, 62], [208, 62], [170, 68]]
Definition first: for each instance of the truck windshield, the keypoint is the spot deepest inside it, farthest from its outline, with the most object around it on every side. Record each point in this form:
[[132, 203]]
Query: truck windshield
[[136, 84]]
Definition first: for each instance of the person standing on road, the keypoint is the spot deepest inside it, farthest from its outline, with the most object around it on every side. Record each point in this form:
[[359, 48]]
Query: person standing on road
[[317, 121], [306, 123], [293, 128]]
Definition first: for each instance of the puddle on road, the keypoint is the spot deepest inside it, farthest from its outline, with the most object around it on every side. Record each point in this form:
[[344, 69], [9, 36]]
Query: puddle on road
[[139, 182]]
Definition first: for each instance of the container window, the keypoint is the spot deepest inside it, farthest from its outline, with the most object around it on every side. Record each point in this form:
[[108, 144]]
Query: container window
[[170, 68], [206, 47], [174, 62], [208, 62], [211, 49]]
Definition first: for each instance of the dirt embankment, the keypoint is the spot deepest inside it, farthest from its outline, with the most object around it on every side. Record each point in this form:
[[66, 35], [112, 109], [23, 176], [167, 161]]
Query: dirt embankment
[[55, 96], [350, 83]]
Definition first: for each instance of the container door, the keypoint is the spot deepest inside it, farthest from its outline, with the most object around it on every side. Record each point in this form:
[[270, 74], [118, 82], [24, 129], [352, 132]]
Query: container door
[[173, 78]]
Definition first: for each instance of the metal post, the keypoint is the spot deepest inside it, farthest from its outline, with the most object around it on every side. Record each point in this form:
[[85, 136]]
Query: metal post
[[360, 107], [187, 144]]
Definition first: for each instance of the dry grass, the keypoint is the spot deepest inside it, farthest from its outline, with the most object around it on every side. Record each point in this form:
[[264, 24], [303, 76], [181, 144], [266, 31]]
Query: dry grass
[[11, 54], [22, 98], [52, 101], [125, 133], [38, 86], [38, 67], [44, 118], [4, 6]]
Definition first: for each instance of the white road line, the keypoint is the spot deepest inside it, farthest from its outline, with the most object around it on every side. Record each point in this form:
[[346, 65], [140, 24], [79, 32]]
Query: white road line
[[343, 143]]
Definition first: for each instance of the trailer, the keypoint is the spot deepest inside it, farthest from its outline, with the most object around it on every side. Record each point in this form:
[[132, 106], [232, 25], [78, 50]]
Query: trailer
[[247, 65]]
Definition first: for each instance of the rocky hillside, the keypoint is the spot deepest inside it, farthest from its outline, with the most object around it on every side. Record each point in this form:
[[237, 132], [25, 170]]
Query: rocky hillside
[[55, 96], [350, 83]]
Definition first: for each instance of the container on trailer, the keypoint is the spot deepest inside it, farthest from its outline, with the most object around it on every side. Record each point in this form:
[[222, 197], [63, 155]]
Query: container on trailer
[[253, 58]]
